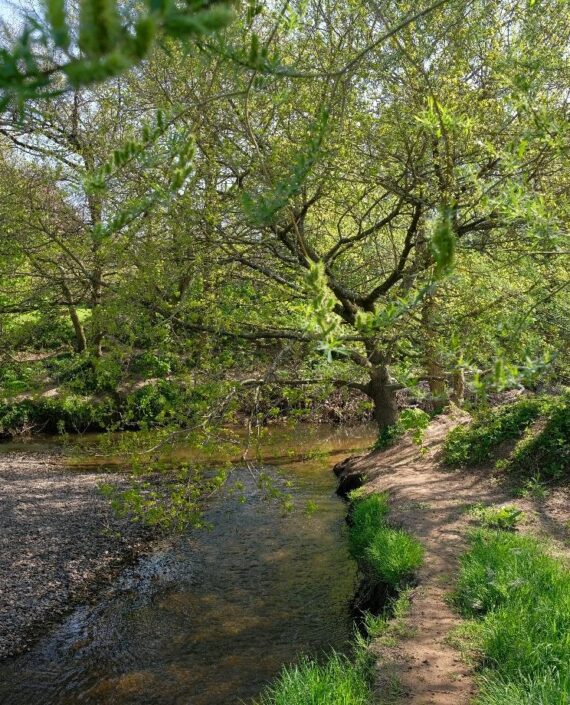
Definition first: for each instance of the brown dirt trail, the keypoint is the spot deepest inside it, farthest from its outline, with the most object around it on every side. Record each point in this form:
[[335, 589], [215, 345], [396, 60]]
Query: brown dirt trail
[[430, 502]]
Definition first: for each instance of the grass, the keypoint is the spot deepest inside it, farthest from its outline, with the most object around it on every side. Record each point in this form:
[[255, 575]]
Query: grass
[[391, 625], [390, 554], [394, 555], [519, 600], [367, 516], [338, 681]]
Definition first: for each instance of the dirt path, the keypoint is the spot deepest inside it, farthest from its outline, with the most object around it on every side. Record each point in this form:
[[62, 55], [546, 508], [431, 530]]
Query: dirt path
[[423, 668], [58, 541]]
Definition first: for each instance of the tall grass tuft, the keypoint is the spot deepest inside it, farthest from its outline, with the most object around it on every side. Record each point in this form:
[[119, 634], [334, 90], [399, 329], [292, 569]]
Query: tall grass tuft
[[335, 682], [390, 554], [368, 515], [394, 555], [520, 598]]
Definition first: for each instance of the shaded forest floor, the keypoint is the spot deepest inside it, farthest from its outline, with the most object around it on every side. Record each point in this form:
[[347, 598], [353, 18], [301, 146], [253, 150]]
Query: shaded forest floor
[[422, 667]]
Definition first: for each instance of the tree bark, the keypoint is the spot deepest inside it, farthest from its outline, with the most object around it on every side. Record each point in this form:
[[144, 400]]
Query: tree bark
[[458, 394], [382, 391], [80, 338]]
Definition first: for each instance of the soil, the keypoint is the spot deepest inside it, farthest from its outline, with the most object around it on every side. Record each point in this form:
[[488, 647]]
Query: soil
[[59, 543], [430, 502]]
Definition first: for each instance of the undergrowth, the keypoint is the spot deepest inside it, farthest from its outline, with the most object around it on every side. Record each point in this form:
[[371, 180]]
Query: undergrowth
[[506, 518], [413, 421], [543, 448], [519, 600], [474, 443], [546, 452]]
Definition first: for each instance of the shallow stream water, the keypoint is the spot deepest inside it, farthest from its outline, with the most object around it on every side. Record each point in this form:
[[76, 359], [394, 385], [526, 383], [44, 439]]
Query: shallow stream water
[[211, 616]]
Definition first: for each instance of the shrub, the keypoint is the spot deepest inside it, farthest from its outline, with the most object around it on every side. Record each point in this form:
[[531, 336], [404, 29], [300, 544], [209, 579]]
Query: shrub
[[474, 443], [412, 420], [155, 403], [336, 682], [521, 599], [149, 364], [55, 415]]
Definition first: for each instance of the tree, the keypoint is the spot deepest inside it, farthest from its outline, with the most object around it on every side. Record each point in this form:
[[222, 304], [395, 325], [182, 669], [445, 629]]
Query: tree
[[348, 194], [72, 212]]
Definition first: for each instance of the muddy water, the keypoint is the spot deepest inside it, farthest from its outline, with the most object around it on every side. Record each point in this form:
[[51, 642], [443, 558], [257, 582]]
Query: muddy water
[[211, 616]]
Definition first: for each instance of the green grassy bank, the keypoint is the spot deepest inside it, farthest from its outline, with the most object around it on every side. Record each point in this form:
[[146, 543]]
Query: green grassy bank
[[518, 600]]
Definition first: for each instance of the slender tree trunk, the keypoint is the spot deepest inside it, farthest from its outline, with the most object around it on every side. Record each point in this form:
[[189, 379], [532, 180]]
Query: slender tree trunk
[[97, 296], [80, 339], [458, 394], [383, 394], [432, 361]]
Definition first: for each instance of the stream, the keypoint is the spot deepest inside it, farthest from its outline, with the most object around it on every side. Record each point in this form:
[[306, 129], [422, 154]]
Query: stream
[[211, 616]]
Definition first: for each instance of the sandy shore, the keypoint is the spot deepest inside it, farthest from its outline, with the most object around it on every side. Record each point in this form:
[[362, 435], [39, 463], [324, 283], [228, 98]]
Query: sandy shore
[[59, 542]]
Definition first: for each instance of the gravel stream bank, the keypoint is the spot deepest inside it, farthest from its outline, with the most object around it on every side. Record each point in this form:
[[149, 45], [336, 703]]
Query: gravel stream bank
[[59, 543]]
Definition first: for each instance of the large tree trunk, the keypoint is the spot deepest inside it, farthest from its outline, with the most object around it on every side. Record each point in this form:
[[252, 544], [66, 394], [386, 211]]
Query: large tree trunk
[[382, 391]]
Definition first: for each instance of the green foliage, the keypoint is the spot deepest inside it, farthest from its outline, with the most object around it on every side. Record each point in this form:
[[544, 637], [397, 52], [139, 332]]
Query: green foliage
[[520, 598], [387, 437], [533, 487], [337, 681], [505, 518], [412, 420], [475, 442], [546, 451], [415, 421], [170, 498], [442, 243], [154, 403], [44, 330], [367, 515], [391, 555], [65, 414], [321, 315], [543, 451], [45, 60], [152, 364], [261, 209]]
